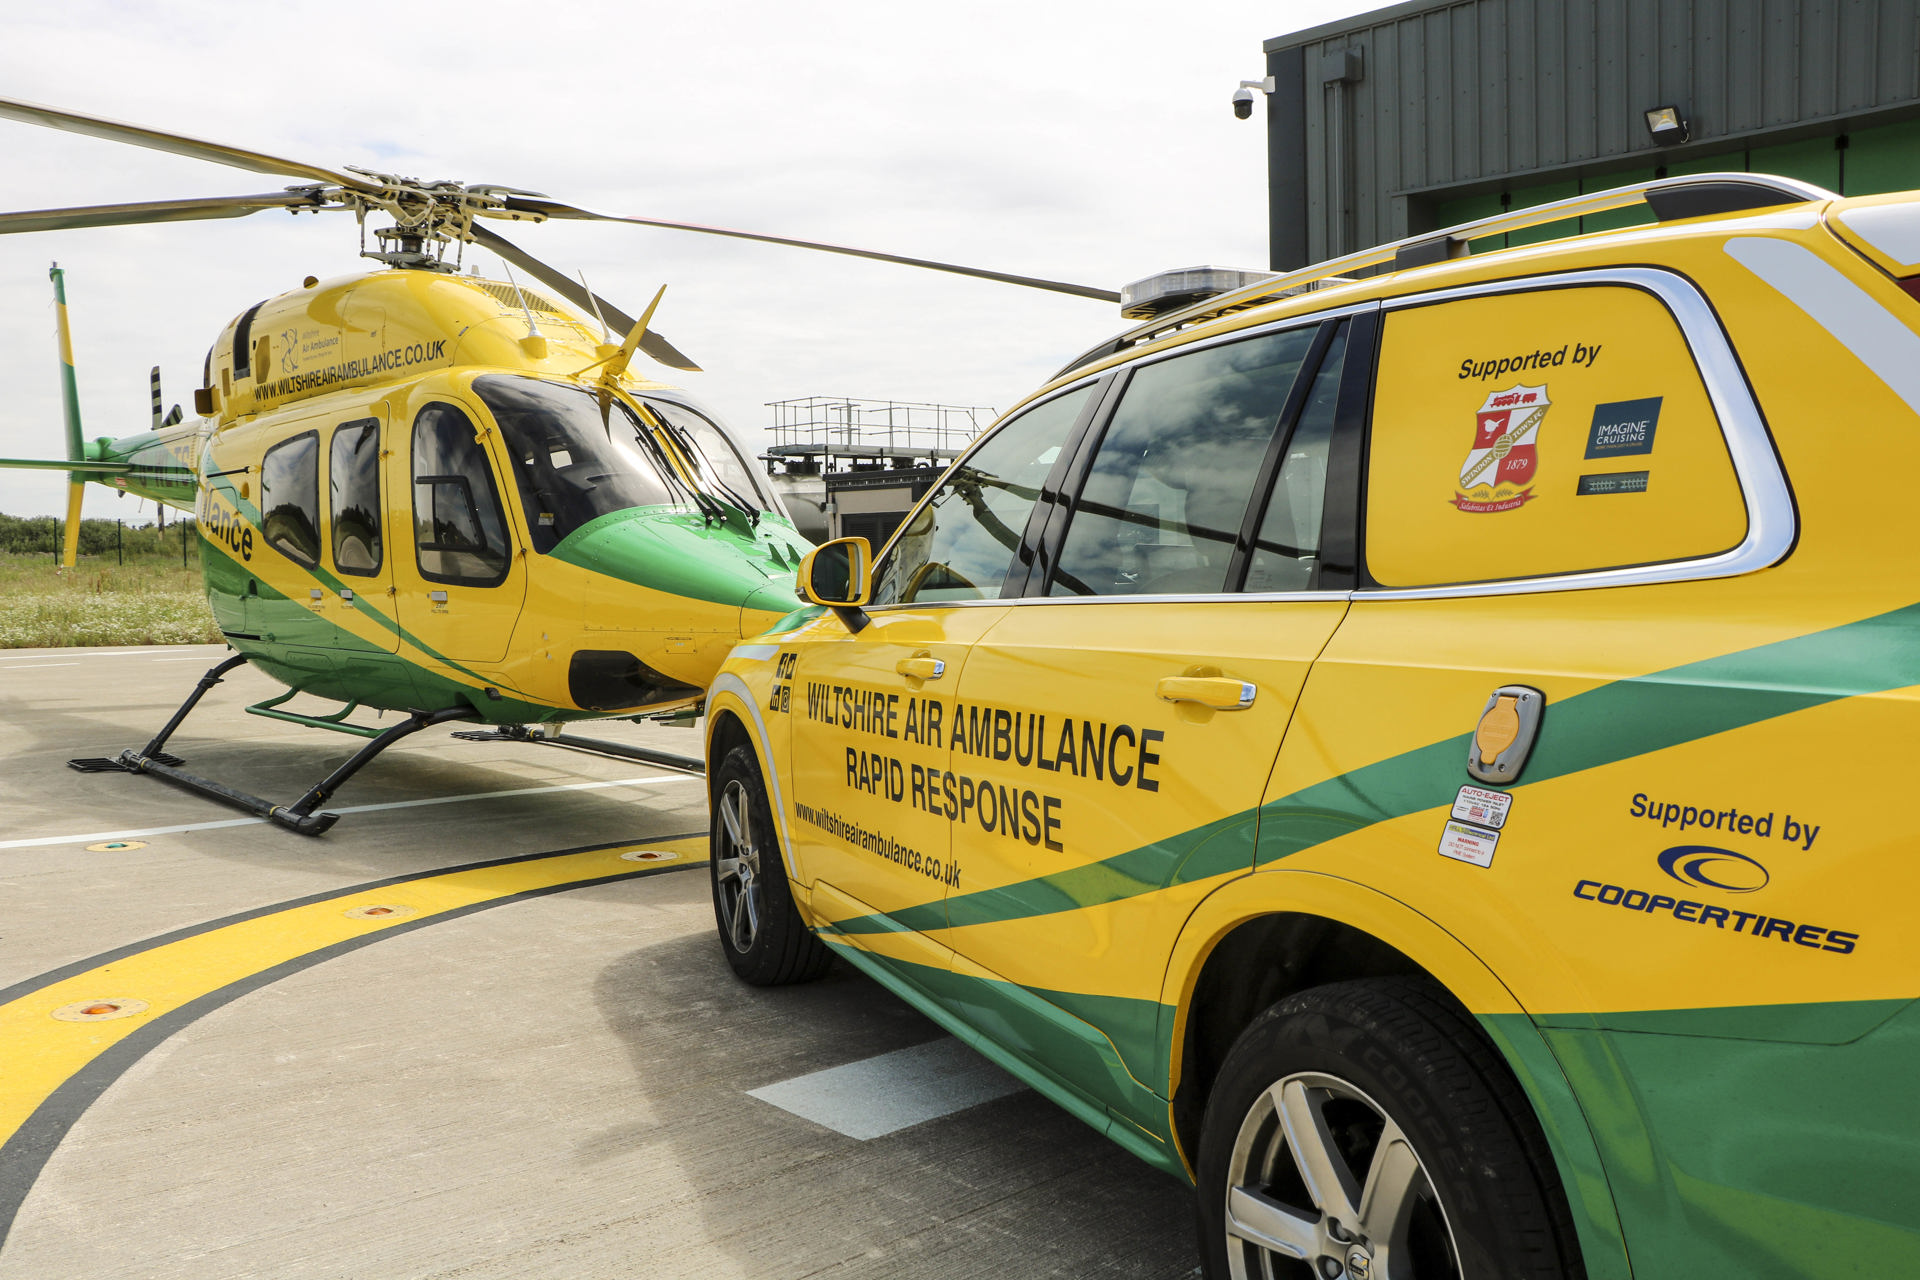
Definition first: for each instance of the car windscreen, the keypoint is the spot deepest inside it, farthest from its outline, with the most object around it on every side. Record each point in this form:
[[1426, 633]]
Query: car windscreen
[[575, 458]]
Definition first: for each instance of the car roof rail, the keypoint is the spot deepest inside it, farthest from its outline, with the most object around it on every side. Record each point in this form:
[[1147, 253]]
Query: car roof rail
[[1693, 196]]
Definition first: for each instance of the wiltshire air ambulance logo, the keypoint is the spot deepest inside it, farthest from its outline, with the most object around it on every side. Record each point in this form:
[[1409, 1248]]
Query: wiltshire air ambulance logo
[[1498, 472]]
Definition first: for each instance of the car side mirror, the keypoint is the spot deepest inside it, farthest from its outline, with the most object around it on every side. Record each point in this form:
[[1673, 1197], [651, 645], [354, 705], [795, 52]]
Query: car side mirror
[[838, 574]]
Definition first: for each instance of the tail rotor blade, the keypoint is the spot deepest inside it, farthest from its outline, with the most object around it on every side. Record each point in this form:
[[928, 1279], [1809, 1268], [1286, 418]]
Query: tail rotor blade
[[70, 543]]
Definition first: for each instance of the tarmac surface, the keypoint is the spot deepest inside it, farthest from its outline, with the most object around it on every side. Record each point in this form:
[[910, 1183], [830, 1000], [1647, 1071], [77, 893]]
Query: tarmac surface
[[482, 1028]]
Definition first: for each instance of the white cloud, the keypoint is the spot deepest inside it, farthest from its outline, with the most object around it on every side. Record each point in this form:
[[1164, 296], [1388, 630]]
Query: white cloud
[[1085, 142]]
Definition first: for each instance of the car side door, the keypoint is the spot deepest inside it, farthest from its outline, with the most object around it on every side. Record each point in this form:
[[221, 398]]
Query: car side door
[[1142, 689], [873, 805]]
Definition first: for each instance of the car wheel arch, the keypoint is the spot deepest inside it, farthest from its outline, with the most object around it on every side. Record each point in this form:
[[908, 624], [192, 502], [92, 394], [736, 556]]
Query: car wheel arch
[[732, 719], [1258, 939], [725, 731]]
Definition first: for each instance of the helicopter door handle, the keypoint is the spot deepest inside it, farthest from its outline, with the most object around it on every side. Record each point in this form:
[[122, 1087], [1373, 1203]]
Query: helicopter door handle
[[921, 668], [1222, 693]]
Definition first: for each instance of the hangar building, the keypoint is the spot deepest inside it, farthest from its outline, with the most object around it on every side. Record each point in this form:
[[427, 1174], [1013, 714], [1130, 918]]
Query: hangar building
[[1427, 114]]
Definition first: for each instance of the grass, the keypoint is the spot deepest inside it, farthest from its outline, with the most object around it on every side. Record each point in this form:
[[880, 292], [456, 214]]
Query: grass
[[149, 600]]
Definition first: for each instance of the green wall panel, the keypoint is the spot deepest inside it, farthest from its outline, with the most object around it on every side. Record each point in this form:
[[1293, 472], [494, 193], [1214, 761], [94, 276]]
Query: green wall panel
[[1636, 215], [1814, 160], [1527, 197], [1883, 159]]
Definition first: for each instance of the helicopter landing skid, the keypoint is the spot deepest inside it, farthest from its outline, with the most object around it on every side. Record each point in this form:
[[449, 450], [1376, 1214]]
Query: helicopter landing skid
[[592, 746], [298, 817]]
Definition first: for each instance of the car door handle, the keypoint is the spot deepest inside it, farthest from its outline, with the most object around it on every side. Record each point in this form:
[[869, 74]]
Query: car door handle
[[922, 668], [1222, 693]]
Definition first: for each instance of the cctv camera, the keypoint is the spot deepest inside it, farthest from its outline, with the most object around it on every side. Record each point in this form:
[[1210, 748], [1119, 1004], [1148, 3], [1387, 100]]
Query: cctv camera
[[1243, 103]]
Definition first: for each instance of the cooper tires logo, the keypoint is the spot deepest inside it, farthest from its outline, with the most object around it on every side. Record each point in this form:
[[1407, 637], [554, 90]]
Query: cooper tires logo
[[1707, 867]]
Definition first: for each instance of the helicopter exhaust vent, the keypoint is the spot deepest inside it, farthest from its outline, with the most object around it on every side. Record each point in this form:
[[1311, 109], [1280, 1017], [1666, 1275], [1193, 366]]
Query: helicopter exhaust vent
[[508, 296]]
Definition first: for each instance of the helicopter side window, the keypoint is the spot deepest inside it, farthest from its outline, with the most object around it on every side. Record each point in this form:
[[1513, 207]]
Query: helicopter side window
[[290, 498], [575, 458], [459, 529], [353, 480]]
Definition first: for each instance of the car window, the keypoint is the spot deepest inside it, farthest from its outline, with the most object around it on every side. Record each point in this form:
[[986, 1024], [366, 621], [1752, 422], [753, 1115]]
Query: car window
[[290, 498], [1165, 496], [961, 542], [1286, 550], [353, 480], [459, 529], [1543, 432]]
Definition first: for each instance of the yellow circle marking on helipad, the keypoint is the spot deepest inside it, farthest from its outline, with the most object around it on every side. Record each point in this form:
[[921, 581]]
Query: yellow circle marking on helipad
[[99, 1010], [379, 911], [116, 846], [177, 972], [649, 855]]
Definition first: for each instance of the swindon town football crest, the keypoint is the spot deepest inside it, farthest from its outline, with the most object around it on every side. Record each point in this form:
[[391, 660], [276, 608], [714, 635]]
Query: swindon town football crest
[[1498, 472]]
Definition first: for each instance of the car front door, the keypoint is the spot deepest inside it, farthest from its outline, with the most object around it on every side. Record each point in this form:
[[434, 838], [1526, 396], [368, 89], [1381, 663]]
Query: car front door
[[873, 711], [1132, 714]]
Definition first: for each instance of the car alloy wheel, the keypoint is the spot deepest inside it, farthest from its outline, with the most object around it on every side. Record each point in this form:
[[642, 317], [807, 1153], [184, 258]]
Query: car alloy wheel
[[737, 870], [1321, 1175]]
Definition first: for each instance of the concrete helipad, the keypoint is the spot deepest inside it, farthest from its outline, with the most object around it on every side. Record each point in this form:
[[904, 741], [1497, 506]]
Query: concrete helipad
[[480, 1029]]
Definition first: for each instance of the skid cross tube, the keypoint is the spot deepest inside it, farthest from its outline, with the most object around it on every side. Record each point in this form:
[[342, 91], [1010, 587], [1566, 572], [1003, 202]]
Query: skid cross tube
[[298, 817], [592, 746]]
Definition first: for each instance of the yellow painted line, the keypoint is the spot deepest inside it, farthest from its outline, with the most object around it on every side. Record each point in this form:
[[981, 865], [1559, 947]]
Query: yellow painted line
[[43, 1052]]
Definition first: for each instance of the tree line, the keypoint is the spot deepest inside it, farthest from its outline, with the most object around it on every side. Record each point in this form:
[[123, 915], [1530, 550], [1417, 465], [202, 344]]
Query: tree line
[[41, 535]]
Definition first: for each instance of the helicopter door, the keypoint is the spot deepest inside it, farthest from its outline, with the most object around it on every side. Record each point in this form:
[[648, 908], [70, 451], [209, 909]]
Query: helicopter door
[[460, 590], [362, 606]]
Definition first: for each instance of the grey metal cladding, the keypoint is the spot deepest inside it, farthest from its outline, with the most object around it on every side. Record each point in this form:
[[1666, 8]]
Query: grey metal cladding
[[1454, 93]]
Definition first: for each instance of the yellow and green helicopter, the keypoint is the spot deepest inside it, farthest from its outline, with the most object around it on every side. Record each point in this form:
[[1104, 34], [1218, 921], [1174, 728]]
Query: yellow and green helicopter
[[428, 492]]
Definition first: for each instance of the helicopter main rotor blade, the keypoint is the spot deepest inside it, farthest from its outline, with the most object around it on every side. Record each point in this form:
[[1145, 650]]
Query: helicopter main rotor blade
[[554, 209], [116, 215], [651, 343], [177, 143]]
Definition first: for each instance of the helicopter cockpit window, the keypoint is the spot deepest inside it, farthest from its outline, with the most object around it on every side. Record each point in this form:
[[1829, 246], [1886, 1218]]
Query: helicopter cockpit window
[[290, 498], [353, 480], [718, 459], [459, 529], [961, 542], [573, 464]]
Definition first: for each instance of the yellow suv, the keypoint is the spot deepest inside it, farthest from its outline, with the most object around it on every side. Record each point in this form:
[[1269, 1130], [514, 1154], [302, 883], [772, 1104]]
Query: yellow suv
[[1420, 757]]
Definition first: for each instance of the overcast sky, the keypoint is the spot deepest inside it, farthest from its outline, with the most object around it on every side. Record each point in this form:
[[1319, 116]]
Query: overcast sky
[[1080, 141]]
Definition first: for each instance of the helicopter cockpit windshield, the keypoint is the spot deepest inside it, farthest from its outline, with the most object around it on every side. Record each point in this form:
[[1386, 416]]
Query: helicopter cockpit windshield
[[715, 455], [573, 459]]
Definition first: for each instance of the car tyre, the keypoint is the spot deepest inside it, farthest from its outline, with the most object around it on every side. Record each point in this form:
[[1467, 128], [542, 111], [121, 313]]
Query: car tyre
[[766, 942], [1368, 1130]]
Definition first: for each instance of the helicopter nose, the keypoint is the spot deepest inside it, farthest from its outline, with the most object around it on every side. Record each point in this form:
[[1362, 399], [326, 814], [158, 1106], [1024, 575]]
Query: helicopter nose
[[767, 606]]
